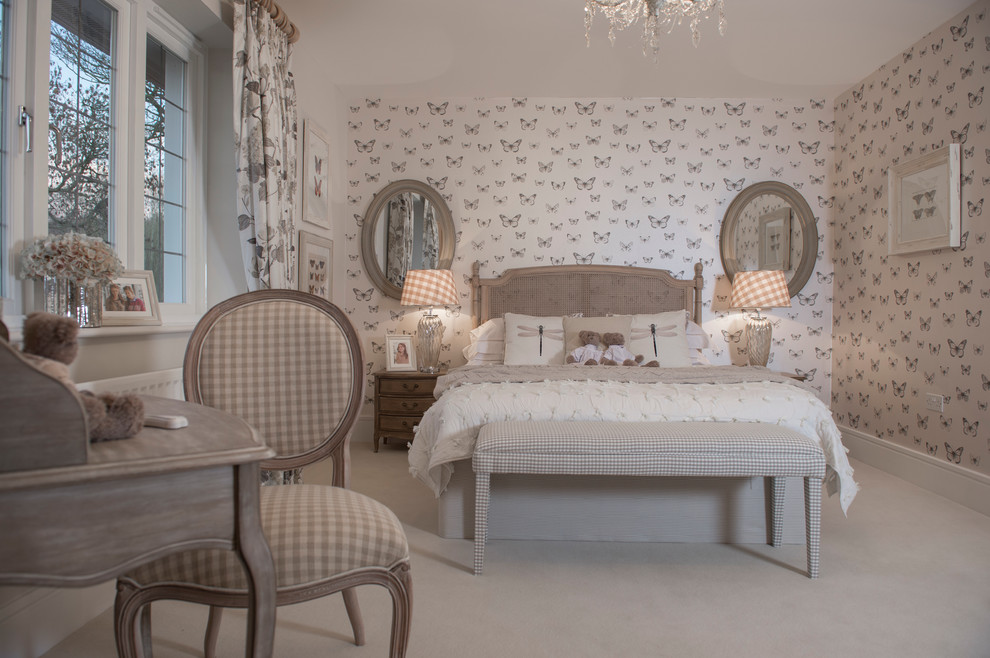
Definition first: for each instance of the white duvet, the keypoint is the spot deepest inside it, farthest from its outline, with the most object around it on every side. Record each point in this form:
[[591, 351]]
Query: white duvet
[[448, 430]]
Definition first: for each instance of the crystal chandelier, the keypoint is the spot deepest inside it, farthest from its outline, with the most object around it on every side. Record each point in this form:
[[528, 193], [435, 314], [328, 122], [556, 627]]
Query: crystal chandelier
[[656, 15]]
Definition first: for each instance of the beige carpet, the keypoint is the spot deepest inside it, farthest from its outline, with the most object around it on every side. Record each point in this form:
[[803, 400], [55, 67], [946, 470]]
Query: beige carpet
[[907, 574]]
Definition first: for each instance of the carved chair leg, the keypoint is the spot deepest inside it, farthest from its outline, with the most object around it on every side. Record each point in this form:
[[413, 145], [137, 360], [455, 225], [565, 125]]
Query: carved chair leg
[[144, 619], [400, 587], [212, 631], [127, 616], [354, 614]]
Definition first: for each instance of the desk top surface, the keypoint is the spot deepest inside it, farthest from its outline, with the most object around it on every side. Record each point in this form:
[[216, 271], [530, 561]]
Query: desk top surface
[[212, 438]]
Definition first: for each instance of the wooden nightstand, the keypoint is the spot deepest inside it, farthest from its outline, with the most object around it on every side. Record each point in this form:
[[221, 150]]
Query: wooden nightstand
[[401, 399]]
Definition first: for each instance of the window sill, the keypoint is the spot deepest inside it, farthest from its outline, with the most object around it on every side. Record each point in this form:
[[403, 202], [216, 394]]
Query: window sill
[[137, 330], [85, 335]]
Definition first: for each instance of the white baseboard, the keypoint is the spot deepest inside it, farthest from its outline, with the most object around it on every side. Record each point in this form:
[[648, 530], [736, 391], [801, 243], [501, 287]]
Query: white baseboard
[[33, 620], [948, 480]]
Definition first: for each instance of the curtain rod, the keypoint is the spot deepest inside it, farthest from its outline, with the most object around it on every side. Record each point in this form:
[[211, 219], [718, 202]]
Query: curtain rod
[[281, 19]]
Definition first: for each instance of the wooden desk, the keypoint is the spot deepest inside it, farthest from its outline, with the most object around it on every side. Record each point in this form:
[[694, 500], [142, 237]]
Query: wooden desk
[[138, 499]]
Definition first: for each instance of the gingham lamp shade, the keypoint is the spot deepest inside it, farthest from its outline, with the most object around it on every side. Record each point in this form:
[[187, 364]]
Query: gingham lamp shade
[[428, 288], [760, 289]]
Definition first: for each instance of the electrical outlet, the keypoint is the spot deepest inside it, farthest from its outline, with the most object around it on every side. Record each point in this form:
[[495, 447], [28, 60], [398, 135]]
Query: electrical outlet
[[935, 402]]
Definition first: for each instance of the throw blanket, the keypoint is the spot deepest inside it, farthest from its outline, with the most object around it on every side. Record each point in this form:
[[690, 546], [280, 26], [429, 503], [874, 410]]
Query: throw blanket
[[631, 374], [468, 399]]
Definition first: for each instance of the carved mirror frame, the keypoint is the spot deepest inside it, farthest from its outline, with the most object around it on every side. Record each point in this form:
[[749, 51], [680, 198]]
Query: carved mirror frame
[[445, 230], [802, 213]]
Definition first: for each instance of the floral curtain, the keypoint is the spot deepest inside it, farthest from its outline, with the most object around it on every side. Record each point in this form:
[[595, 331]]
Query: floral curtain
[[265, 137], [399, 241], [431, 237]]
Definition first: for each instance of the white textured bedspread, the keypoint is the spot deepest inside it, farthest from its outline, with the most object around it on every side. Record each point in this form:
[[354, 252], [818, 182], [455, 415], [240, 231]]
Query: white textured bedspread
[[448, 430]]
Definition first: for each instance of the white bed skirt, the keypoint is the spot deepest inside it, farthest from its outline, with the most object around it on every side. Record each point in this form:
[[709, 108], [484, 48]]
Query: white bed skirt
[[599, 508]]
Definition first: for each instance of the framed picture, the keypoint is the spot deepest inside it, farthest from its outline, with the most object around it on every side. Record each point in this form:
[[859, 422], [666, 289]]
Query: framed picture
[[775, 240], [316, 175], [316, 265], [925, 203], [131, 299], [399, 352]]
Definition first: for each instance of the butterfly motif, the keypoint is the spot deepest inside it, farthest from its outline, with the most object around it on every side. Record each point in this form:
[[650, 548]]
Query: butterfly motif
[[732, 337], [511, 147], [957, 349], [366, 147], [735, 110], [585, 109], [584, 260], [584, 184], [435, 109]]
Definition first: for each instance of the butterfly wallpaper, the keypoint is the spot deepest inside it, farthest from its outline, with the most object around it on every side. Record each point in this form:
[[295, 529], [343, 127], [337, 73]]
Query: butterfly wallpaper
[[907, 325], [553, 181]]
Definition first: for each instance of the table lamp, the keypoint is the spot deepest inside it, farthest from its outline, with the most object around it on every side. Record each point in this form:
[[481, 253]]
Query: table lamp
[[756, 290], [429, 288]]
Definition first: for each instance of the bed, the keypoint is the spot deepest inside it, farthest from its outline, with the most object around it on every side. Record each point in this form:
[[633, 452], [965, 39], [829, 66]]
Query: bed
[[726, 510]]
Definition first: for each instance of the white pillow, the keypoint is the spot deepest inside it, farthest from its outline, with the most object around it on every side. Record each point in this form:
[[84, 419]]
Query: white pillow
[[697, 338], [487, 344], [532, 340], [661, 337]]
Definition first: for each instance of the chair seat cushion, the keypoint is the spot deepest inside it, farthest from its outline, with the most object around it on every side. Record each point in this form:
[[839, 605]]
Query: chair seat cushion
[[315, 532]]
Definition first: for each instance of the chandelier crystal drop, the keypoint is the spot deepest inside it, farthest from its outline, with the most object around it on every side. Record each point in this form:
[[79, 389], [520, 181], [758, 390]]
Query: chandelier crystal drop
[[657, 15]]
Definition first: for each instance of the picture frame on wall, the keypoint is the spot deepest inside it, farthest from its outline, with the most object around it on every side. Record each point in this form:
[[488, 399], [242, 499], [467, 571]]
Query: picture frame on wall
[[316, 265], [316, 175], [925, 202], [400, 353], [131, 299], [775, 240]]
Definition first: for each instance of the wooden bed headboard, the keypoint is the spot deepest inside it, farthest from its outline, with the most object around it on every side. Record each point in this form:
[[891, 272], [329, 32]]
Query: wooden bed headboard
[[594, 290]]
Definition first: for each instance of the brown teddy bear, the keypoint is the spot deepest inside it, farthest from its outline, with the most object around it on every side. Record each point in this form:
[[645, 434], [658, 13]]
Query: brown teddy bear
[[50, 345], [590, 352], [616, 352]]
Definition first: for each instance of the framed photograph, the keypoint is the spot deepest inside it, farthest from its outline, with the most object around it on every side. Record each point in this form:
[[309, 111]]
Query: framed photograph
[[925, 203], [131, 299], [399, 352], [775, 240], [316, 265], [316, 175]]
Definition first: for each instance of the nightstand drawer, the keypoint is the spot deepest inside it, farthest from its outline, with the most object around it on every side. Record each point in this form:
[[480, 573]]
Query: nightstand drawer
[[418, 386], [404, 406], [398, 423]]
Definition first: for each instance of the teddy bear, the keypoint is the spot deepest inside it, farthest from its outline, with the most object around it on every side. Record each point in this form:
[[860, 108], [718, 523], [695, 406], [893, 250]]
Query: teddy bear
[[616, 352], [50, 345], [590, 352]]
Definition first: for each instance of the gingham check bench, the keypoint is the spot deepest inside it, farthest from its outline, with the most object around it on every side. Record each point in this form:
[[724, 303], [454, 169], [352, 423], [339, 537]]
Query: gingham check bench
[[672, 449]]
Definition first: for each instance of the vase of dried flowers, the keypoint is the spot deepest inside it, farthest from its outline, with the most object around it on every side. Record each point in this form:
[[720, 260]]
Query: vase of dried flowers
[[74, 268]]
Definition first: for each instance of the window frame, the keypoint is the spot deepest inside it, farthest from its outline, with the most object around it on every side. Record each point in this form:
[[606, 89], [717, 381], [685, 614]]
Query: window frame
[[27, 173]]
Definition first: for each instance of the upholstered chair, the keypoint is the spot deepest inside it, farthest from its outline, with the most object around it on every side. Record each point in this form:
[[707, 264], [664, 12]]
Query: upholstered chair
[[290, 364]]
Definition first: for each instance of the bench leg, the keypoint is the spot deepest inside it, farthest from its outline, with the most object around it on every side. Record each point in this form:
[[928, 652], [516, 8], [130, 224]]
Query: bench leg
[[813, 522], [777, 485], [482, 491]]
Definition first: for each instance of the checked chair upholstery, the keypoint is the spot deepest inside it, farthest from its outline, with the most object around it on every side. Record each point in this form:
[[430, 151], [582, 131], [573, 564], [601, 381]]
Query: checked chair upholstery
[[289, 363]]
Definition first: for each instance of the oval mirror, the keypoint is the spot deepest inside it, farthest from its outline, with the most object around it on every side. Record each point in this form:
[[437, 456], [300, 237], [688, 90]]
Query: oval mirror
[[769, 226], [407, 227]]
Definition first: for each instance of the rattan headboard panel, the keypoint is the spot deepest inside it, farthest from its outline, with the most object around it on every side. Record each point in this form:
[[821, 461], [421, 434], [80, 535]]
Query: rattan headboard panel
[[593, 290]]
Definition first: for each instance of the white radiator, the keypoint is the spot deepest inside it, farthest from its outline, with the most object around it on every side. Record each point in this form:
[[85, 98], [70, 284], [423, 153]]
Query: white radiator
[[163, 383]]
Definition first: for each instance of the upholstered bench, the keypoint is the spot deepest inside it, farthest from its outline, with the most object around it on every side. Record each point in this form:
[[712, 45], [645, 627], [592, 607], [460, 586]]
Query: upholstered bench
[[671, 449]]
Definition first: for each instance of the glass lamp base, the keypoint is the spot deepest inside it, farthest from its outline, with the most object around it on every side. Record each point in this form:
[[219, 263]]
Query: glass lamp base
[[758, 332], [429, 334]]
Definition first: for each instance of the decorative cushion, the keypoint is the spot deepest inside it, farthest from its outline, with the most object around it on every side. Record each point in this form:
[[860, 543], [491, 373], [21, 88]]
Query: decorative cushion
[[532, 340], [620, 324], [660, 336], [315, 532]]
